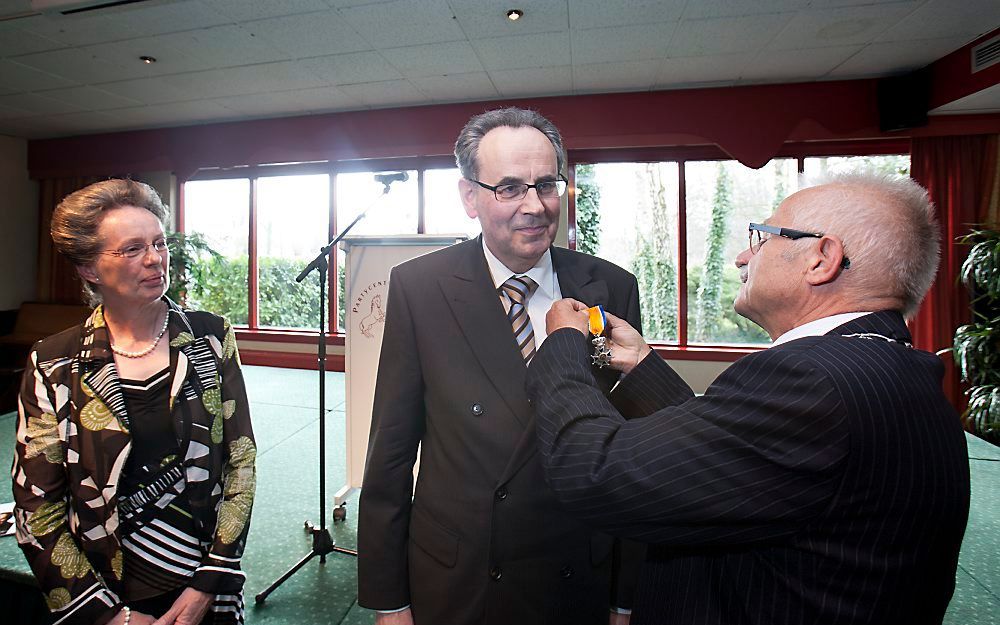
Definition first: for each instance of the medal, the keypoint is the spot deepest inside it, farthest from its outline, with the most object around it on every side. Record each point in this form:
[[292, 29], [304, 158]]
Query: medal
[[602, 353]]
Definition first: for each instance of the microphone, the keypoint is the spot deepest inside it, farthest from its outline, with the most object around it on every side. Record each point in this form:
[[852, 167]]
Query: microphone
[[388, 179]]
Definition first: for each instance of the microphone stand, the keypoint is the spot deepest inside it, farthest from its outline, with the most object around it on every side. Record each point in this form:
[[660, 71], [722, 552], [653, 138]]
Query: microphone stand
[[322, 542]]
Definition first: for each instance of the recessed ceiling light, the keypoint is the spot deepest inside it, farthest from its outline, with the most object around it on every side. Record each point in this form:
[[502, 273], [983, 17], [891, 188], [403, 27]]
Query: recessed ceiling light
[[515, 14], [148, 60]]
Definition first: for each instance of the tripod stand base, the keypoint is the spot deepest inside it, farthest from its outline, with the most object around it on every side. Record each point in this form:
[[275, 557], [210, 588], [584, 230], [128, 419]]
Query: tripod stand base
[[322, 545]]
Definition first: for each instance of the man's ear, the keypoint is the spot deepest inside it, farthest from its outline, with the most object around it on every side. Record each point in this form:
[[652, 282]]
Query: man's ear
[[88, 273], [467, 191], [825, 262]]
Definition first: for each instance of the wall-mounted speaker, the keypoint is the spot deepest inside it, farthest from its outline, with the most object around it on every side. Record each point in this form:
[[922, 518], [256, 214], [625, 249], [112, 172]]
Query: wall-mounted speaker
[[903, 100]]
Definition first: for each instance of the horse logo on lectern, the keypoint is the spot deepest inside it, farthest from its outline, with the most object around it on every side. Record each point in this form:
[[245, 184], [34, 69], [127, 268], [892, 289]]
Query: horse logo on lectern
[[375, 315]]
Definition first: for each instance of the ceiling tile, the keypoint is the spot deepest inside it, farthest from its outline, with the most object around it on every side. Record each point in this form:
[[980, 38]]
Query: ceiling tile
[[833, 27], [60, 125], [174, 114], [245, 80], [488, 18], [357, 67], [621, 43], [9, 112], [170, 58], [75, 30], [223, 46], [620, 76], [985, 101], [34, 104], [523, 51], [774, 66], [693, 70], [148, 91], [354, 3], [435, 59], [18, 77], [311, 34], [323, 99], [603, 13], [534, 81], [14, 41], [292, 102], [725, 35], [385, 94], [145, 19], [249, 10], [404, 23], [89, 98], [940, 18], [730, 8], [458, 87], [74, 64], [883, 59]]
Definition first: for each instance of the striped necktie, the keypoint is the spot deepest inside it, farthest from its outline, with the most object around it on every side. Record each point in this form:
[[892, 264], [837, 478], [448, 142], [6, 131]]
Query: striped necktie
[[518, 290]]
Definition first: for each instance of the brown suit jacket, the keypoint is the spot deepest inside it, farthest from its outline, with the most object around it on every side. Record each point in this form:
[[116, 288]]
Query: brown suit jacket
[[483, 540]]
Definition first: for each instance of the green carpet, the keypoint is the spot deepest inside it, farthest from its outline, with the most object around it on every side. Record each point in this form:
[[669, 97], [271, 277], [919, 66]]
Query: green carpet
[[286, 424]]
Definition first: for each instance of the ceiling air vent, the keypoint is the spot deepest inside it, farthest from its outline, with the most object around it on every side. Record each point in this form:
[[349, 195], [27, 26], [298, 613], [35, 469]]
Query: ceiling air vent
[[986, 54], [68, 7]]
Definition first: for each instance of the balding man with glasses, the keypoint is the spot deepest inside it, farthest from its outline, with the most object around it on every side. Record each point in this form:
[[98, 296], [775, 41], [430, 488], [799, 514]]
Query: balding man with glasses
[[822, 480], [483, 539]]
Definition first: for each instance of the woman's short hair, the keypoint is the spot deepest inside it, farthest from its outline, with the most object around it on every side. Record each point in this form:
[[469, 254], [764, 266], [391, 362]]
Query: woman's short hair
[[76, 219]]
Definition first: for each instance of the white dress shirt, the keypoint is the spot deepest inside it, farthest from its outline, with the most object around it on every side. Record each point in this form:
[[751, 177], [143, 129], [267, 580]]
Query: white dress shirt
[[541, 300], [817, 327]]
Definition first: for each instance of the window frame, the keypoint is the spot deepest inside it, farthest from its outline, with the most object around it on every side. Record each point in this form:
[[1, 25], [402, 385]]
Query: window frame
[[252, 330], [681, 350]]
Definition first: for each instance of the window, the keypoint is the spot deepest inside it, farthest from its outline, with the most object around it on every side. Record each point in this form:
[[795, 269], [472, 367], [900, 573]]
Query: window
[[219, 211], [264, 224], [633, 207], [444, 213], [675, 218], [722, 198], [293, 219], [679, 224]]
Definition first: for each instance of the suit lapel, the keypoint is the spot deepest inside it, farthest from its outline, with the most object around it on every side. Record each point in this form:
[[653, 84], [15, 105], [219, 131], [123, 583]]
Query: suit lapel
[[576, 282], [480, 316]]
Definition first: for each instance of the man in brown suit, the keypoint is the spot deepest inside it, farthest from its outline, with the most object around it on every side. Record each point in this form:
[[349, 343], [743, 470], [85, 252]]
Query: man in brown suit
[[483, 539]]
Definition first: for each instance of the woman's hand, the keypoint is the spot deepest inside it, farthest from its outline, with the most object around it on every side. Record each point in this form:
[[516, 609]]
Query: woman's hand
[[188, 609], [137, 618]]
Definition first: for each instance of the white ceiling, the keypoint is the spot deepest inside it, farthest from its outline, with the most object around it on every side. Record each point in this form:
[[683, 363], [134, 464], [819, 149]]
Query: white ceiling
[[221, 60]]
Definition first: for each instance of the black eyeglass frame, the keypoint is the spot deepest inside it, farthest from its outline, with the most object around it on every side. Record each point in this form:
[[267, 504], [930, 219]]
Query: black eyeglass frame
[[167, 242], [524, 186], [788, 233]]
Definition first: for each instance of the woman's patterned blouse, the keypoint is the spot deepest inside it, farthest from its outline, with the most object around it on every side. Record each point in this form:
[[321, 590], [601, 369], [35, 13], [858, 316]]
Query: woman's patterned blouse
[[73, 440]]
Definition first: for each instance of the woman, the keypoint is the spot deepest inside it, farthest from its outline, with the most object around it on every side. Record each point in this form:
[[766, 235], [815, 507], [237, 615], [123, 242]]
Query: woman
[[134, 465]]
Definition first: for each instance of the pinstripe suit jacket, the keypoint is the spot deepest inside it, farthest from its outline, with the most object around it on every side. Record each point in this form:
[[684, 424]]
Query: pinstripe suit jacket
[[825, 480]]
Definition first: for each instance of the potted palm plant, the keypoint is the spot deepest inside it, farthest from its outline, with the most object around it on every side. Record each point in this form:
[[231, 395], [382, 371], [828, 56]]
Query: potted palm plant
[[977, 345], [186, 249]]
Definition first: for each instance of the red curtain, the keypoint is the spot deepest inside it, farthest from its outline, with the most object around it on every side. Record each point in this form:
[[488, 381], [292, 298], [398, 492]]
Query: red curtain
[[58, 281], [960, 174]]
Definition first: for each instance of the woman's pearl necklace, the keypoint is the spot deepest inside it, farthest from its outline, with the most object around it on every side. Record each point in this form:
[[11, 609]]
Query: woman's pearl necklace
[[143, 352]]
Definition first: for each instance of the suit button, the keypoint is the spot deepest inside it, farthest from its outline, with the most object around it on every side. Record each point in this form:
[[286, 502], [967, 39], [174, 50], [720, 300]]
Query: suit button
[[502, 493], [477, 409], [530, 402], [566, 572], [496, 574]]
